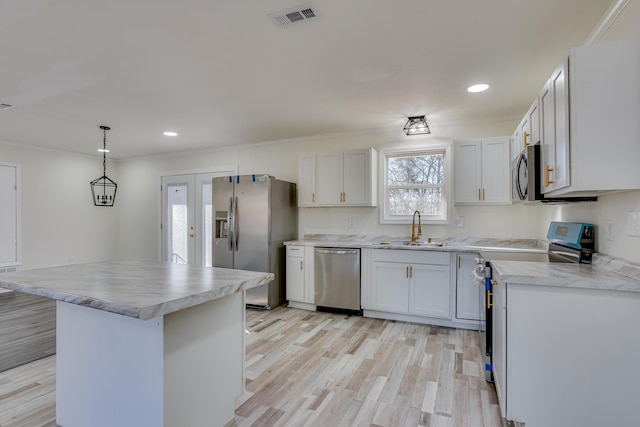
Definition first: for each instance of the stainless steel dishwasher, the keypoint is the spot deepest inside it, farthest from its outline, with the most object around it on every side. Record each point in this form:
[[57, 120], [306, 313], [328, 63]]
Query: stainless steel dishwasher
[[337, 279]]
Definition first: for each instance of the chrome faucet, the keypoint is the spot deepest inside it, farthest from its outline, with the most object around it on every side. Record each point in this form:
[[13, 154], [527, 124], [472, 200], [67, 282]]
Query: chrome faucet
[[415, 236]]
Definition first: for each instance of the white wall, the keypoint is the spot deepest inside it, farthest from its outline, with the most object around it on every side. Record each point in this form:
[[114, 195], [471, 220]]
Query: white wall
[[139, 202], [59, 221]]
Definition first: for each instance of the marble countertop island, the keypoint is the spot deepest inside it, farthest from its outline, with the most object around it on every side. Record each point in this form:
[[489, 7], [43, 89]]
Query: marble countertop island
[[138, 289]]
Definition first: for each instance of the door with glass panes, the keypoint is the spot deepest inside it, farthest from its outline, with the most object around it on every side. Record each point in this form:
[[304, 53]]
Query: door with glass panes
[[186, 219]]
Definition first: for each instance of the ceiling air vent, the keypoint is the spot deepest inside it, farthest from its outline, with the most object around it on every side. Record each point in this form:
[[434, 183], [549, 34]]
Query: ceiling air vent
[[5, 106], [297, 14]]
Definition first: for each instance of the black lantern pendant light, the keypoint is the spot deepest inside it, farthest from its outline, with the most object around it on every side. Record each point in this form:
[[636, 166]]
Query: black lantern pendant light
[[104, 189]]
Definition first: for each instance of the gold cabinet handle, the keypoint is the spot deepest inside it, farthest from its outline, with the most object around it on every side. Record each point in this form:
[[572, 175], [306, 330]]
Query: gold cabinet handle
[[458, 262], [494, 282], [479, 194], [547, 181], [489, 302], [525, 135], [344, 197], [483, 194], [313, 197], [411, 272], [192, 235], [300, 264]]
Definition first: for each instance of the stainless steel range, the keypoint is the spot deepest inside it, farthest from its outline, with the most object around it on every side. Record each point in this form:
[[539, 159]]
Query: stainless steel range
[[571, 242]]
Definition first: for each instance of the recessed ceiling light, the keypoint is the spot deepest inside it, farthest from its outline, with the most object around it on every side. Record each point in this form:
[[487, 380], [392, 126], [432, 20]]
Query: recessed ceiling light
[[169, 133], [480, 87]]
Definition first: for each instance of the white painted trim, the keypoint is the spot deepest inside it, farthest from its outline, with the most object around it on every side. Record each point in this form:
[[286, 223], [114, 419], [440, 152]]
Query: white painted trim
[[448, 182], [18, 183], [607, 19]]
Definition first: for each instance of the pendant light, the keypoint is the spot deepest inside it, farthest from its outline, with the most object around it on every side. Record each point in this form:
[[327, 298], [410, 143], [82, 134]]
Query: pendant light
[[104, 189], [416, 125]]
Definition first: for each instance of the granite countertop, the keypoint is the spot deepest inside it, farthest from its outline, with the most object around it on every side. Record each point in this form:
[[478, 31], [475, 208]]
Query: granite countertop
[[605, 273], [139, 289], [466, 244]]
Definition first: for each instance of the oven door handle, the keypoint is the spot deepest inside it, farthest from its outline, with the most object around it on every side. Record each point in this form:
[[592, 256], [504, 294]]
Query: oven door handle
[[564, 255]]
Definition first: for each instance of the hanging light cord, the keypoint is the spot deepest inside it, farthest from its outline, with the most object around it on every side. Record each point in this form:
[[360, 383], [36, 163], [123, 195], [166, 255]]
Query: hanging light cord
[[104, 152]]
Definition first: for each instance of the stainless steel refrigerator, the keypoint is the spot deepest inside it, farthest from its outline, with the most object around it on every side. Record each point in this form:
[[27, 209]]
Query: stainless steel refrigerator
[[253, 215]]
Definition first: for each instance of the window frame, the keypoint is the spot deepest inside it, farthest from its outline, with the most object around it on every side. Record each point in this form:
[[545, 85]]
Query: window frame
[[445, 150]]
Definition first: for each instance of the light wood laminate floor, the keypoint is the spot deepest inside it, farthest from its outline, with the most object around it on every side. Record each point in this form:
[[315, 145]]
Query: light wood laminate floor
[[320, 369]]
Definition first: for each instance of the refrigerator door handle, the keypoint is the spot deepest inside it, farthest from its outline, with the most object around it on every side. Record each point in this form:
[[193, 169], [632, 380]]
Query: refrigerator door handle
[[230, 223], [235, 224]]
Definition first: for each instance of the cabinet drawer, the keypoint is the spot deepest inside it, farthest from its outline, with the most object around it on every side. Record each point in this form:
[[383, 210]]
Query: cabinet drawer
[[411, 257], [295, 251]]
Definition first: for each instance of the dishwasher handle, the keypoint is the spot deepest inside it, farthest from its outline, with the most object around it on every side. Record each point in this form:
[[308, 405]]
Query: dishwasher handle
[[337, 251]]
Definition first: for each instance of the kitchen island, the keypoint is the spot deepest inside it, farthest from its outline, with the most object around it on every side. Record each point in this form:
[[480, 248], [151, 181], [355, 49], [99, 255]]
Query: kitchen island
[[143, 343]]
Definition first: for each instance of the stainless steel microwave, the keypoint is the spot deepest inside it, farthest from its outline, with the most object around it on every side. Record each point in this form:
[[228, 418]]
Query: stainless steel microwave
[[526, 182]]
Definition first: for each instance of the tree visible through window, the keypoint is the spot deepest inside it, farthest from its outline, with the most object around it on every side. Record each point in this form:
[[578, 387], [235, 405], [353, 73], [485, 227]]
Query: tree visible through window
[[415, 181]]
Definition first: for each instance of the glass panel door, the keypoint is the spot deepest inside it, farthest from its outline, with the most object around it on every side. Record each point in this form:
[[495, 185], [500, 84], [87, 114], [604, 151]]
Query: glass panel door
[[187, 217], [178, 226]]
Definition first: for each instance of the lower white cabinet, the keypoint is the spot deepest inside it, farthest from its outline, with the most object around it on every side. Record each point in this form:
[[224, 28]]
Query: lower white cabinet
[[410, 282], [469, 290], [299, 284]]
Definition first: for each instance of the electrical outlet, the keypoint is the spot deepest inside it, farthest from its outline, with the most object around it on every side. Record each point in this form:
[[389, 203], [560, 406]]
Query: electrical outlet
[[349, 223], [633, 223], [608, 229], [72, 260], [459, 221]]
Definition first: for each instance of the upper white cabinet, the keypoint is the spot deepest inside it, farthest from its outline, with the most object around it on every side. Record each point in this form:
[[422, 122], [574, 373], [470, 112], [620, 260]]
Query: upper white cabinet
[[528, 130], [9, 215], [589, 111], [481, 171], [307, 180], [554, 125], [343, 178]]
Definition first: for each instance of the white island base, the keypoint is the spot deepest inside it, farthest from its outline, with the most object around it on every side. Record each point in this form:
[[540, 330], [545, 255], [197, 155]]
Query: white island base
[[181, 369]]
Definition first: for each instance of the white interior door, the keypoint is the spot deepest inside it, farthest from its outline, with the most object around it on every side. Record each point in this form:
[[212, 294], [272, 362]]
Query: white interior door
[[186, 219]]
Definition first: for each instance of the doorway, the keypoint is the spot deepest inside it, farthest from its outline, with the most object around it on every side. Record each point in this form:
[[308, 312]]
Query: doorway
[[186, 217]]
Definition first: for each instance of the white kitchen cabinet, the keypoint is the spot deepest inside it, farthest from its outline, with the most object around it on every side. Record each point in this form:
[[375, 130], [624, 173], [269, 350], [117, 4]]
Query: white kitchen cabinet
[[9, 215], [469, 290], [554, 125], [528, 130], [430, 290], [482, 171], [340, 178], [346, 178], [307, 180], [499, 344], [299, 284], [559, 349], [409, 282], [589, 120]]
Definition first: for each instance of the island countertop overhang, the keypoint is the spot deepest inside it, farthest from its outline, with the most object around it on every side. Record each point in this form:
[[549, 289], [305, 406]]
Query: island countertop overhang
[[139, 289]]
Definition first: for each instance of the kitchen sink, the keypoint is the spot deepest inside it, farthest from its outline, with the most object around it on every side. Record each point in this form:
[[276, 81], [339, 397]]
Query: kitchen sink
[[427, 244], [409, 243]]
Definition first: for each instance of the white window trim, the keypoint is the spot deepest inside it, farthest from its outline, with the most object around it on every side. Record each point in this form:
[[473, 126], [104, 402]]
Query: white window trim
[[448, 183]]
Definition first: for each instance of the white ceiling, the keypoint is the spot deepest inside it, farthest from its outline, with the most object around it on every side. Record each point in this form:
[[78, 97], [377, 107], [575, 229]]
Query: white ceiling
[[220, 72]]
